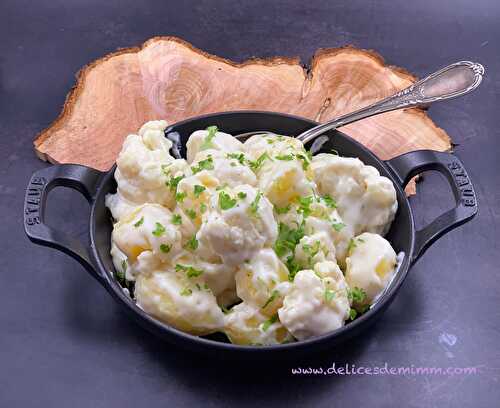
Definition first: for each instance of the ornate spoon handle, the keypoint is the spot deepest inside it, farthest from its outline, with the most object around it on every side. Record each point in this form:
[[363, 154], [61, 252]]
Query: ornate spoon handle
[[454, 80]]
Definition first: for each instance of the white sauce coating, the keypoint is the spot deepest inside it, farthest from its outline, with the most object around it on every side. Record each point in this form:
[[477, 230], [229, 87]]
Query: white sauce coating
[[260, 222], [370, 265], [315, 305]]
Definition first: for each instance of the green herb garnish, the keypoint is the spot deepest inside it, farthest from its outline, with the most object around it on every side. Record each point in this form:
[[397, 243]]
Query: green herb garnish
[[305, 205], [191, 213], [273, 319], [176, 219], [225, 201], [329, 295], [173, 182], [207, 142], [203, 208], [186, 292], [237, 156], [284, 157], [179, 197], [305, 160], [190, 271], [120, 274], [351, 245], [207, 164], [282, 210], [329, 201], [288, 238], [254, 206], [274, 294], [139, 223], [159, 230], [165, 248], [192, 243], [337, 226], [356, 295], [255, 165], [352, 313], [242, 195]]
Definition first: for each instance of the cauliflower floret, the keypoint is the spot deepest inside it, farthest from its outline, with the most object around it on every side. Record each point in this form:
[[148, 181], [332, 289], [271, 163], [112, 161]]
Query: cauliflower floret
[[370, 265], [228, 171], [239, 222], [366, 201], [144, 169], [283, 182], [211, 139], [245, 325], [263, 281], [146, 232], [313, 215], [181, 299], [218, 276], [272, 144], [314, 248], [315, 305]]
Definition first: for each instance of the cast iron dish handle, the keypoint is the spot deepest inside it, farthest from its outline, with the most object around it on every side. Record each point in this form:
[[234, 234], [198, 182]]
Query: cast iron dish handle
[[81, 178], [410, 164]]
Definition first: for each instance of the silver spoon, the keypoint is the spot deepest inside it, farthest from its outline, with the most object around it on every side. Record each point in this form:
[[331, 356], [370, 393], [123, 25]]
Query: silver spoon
[[450, 82]]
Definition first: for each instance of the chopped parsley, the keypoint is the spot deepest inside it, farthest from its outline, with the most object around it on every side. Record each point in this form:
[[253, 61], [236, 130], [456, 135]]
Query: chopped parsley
[[237, 156], [159, 230], [173, 182], [305, 160], [273, 319], [274, 294], [120, 274], [352, 313], [191, 213], [337, 226], [207, 164], [312, 250], [190, 271], [165, 248], [203, 208], [284, 157], [282, 210], [305, 205], [242, 195], [293, 267], [139, 223], [329, 201], [225, 201], [207, 142], [254, 206], [356, 295], [351, 245], [255, 165], [192, 243], [329, 295], [186, 292], [288, 238], [176, 219], [179, 197]]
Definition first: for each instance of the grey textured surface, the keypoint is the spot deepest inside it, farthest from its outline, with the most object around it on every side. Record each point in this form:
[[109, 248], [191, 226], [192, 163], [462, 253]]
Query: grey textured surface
[[63, 341]]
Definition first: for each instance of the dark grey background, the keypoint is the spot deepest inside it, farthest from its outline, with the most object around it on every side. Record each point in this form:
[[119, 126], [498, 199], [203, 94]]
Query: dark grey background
[[63, 342]]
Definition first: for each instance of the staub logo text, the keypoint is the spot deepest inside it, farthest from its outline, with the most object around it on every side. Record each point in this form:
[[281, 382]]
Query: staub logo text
[[33, 196], [463, 183]]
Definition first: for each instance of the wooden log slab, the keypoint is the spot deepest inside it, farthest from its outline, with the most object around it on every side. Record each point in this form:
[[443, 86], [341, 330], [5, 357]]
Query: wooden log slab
[[168, 78]]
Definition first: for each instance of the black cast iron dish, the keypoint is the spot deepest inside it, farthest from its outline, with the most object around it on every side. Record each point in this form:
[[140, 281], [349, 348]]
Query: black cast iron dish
[[94, 255]]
